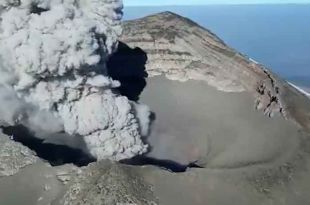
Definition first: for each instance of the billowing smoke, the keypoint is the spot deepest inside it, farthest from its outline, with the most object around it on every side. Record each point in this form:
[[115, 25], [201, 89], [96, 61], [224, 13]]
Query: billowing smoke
[[54, 76]]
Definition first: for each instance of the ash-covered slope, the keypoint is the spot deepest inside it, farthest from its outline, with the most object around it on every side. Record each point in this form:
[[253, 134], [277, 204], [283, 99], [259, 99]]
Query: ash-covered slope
[[181, 49]]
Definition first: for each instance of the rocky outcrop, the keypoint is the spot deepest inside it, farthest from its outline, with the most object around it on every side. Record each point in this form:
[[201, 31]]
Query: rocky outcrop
[[268, 96], [108, 183], [14, 156], [182, 50]]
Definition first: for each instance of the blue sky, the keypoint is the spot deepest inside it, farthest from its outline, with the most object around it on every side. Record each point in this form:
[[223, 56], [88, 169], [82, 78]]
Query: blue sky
[[201, 2]]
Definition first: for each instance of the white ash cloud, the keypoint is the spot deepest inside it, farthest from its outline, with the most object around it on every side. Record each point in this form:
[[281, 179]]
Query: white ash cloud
[[54, 76]]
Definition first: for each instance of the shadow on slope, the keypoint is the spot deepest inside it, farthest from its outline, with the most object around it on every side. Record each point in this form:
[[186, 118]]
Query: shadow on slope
[[56, 155], [162, 163], [127, 65]]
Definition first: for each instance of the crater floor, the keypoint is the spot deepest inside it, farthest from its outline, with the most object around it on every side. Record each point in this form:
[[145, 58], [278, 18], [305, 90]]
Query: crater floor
[[194, 122]]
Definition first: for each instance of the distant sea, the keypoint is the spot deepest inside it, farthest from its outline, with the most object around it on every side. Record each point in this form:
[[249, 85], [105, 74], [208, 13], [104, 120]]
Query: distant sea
[[277, 36]]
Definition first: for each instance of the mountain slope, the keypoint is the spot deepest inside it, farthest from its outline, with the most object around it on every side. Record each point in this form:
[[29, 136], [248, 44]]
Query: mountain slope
[[182, 50]]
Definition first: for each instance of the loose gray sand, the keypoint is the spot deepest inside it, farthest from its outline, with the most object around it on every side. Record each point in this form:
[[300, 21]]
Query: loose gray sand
[[196, 122], [35, 184], [249, 158]]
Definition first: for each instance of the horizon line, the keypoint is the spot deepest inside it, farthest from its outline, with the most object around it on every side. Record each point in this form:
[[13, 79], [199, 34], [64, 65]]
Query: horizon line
[[229, 4]]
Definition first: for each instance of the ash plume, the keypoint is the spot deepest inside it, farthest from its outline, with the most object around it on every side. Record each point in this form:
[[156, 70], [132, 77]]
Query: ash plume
[[54, 76]]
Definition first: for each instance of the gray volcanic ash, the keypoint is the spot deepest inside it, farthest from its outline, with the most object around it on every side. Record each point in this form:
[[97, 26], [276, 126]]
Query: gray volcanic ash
[[54, 77]]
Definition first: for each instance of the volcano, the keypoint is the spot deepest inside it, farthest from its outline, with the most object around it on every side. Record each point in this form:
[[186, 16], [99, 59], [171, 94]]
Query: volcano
[[224, 129]]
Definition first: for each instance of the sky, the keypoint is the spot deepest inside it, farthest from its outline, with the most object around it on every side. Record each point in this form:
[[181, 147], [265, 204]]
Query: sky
[[202, 2]]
